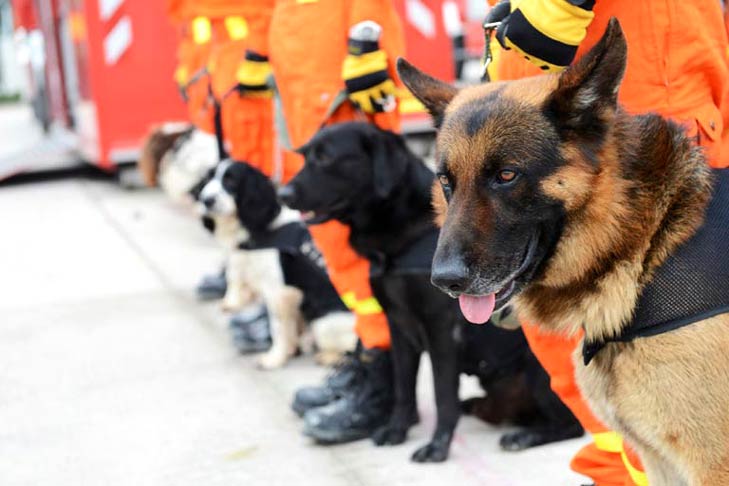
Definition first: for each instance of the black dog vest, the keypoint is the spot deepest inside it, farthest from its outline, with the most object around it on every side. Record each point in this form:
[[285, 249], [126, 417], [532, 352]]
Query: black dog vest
[[416, 259], [691, 285], [302, 265]]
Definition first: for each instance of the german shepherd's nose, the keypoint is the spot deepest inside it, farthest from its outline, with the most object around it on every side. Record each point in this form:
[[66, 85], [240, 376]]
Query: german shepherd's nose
[[449, 274]]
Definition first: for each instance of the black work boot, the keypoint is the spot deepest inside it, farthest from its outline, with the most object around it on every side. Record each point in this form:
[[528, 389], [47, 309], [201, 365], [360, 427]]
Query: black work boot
[[343, 375], [212, 287], [250, 329], [364, 406]]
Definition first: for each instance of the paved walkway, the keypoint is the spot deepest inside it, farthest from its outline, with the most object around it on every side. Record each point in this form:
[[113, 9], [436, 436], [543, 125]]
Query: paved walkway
[[111, 373]]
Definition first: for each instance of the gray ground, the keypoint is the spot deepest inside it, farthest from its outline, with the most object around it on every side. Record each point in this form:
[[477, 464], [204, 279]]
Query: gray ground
[[112, 374]]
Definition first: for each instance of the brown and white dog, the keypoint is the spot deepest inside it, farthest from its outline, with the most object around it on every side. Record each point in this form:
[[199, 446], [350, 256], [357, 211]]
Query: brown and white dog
[[555, 200], [176, 156]]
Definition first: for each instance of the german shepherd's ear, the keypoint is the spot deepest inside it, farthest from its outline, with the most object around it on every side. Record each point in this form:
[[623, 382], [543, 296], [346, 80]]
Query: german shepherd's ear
[[388, 161], [433, 93], [588, 90]]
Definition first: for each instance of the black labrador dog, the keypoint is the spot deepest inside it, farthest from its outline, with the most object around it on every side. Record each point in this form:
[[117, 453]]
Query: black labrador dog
[[368, 179]]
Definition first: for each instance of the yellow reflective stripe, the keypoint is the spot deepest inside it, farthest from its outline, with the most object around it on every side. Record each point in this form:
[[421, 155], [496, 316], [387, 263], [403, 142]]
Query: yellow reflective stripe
[[608, 442], [349, 299], [237, 27], [306, 1], [181, 76], [253, 73], [558, 19], [358, 66], [367, 307], [362, 307], [613, 442], [638, 476], [202, 31], [411, 105]]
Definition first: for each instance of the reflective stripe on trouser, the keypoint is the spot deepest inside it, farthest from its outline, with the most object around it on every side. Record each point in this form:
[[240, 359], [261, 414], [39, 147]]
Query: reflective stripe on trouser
[[613, 442], [601, 461], [350, 275]]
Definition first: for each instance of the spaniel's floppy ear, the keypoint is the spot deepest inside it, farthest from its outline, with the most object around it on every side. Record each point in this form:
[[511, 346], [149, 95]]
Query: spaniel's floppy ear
[[256, 201], [587, 91], [433, 93]]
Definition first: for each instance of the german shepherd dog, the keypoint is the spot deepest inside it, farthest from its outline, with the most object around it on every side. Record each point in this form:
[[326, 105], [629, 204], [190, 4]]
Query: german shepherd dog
[[368, 179], [557, 201]]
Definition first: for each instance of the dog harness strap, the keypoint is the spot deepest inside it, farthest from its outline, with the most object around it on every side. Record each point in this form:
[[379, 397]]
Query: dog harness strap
[[692, 284]]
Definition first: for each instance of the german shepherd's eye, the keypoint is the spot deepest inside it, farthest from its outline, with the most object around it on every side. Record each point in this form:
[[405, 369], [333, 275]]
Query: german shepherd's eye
[[506, 176], [445, 183]]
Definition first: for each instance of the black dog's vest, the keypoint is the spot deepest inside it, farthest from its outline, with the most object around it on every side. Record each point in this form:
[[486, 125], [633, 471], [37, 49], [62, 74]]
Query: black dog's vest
[[302, 265], [416, 259], [691, 285]]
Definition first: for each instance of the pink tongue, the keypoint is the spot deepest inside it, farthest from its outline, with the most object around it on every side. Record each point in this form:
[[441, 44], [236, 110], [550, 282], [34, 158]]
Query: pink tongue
[[477, 310]]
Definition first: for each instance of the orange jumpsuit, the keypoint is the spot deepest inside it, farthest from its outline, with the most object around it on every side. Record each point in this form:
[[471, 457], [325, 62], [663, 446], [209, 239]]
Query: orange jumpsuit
[[196, 33], [307, 45], [235, 25], [680, 72]]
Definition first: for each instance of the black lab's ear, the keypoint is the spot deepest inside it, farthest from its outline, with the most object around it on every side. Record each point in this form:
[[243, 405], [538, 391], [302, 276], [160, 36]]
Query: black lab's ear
[[433, 93], [389, 161], [588, 90]]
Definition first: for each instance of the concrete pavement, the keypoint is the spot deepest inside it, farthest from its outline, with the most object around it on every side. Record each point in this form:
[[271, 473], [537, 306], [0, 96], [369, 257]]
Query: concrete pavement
[[112, 374]]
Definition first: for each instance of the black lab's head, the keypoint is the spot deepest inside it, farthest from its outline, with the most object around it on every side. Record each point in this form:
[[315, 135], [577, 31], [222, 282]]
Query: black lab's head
[[235, 189], [348, 167], [516, 161]]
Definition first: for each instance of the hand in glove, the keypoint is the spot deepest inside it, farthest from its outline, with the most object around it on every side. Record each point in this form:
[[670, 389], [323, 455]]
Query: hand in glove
[[366, 79], [253, 74], [546, 32]]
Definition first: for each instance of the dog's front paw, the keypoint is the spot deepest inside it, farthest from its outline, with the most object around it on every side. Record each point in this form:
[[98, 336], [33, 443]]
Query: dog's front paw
[[433, 452], [536, 436], [231, 304], [272, 360], [390, 435]]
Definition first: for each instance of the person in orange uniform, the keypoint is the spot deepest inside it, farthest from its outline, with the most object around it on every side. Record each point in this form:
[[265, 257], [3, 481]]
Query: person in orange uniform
[[678, 71], [196, 33], [334, 61], [224, 97]]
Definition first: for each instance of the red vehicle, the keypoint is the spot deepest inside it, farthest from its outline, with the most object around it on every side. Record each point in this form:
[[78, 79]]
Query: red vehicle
[[108, 72], [109, 67]]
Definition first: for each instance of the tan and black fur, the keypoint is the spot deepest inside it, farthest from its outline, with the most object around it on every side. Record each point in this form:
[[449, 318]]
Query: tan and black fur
[[599, 199]]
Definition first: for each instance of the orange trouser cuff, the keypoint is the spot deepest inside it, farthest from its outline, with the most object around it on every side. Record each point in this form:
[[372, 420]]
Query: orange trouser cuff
[[373, 331], [554, 352], [605, 468]]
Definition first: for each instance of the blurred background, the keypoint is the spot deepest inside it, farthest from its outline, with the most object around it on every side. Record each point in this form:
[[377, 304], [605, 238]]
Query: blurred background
[[98, 74]]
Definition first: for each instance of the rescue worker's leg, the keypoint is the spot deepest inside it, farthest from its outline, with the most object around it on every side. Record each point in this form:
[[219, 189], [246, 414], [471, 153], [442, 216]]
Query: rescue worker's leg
[[361, 385], [366, 402], [603, 460]]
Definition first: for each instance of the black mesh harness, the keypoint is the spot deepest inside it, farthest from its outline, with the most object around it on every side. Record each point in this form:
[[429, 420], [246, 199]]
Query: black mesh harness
[[691, 285], [302, 265], [415, 259]]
